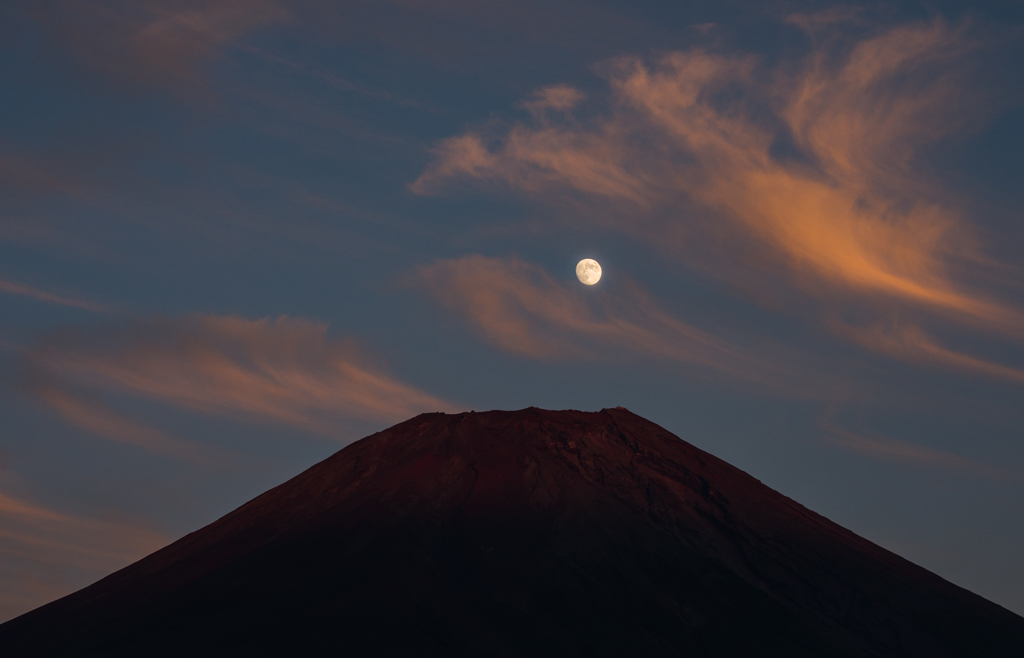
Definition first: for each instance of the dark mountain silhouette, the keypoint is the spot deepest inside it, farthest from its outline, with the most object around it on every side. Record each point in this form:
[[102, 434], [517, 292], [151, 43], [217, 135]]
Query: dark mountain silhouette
[[523, 533]]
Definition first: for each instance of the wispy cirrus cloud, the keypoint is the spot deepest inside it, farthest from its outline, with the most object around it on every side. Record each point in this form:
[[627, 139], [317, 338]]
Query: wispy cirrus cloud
[[23, 175], [520, 308], [89, 413], [12, 288], [287, 371], [896, 450], [813, 171], [154, 41], [46, 553], [910, 342]]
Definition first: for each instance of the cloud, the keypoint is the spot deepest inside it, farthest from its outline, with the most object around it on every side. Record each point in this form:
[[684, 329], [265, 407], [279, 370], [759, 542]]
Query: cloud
[[45, 553], [560, 98], [828, 19], [93, 416], [537, 161], [519, 308], [285, 370], [911, 343], [153, 41], [27, 176], [911, 453], [812, 175], [13, 288]]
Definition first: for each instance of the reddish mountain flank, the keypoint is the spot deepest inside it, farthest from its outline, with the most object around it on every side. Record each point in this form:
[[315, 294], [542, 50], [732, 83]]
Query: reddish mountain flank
[[524, 533]]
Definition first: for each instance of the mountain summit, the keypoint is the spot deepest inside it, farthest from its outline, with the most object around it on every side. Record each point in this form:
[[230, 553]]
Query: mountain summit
[[521, 533]]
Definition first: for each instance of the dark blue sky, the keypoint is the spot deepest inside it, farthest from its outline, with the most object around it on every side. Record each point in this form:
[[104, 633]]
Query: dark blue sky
[[235, 236]]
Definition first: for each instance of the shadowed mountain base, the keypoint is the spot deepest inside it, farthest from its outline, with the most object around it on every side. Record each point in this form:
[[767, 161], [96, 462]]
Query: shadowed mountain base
[[520, 533]]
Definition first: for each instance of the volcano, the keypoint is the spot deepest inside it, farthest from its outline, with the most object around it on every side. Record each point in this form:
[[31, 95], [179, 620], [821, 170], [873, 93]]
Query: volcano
[[523, 533]]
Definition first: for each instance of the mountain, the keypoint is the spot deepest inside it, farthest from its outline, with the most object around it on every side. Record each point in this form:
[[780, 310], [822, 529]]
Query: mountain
[[523, 533]]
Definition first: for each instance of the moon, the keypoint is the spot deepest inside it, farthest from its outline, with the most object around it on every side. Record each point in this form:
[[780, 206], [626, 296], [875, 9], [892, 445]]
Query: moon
[[588, 271]]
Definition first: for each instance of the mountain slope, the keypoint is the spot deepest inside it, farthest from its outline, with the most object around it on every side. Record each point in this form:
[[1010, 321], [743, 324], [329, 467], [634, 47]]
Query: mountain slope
[[520, 534]]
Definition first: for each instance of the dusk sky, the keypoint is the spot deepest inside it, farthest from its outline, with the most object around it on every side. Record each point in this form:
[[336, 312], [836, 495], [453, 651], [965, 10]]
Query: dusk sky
[[237, 236]]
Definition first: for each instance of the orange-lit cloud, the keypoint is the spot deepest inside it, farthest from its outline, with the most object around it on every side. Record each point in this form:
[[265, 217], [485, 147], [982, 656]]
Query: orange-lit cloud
[[558, 98], [911, 343], [45, 553], [155, 41], [912, 453], [21, 175], [538, 160], [844, 218], [286, 370], [518, 307], [13, 288], [98, 419]]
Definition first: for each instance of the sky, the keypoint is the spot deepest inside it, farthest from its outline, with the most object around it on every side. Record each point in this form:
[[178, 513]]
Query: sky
[[236, 236]]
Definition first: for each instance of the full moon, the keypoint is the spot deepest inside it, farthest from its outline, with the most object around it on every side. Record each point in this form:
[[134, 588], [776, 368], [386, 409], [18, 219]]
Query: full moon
[[588, 271]]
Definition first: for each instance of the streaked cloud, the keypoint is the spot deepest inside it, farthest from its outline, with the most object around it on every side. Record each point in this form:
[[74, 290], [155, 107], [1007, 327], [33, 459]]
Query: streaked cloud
[[46, 553], [283, 370], [912, 343], [812, 171], [95, 417], [539, 160], [12, 288], [22, 175], [520, 308], [905, 452], [157, 41], [558, 98]]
